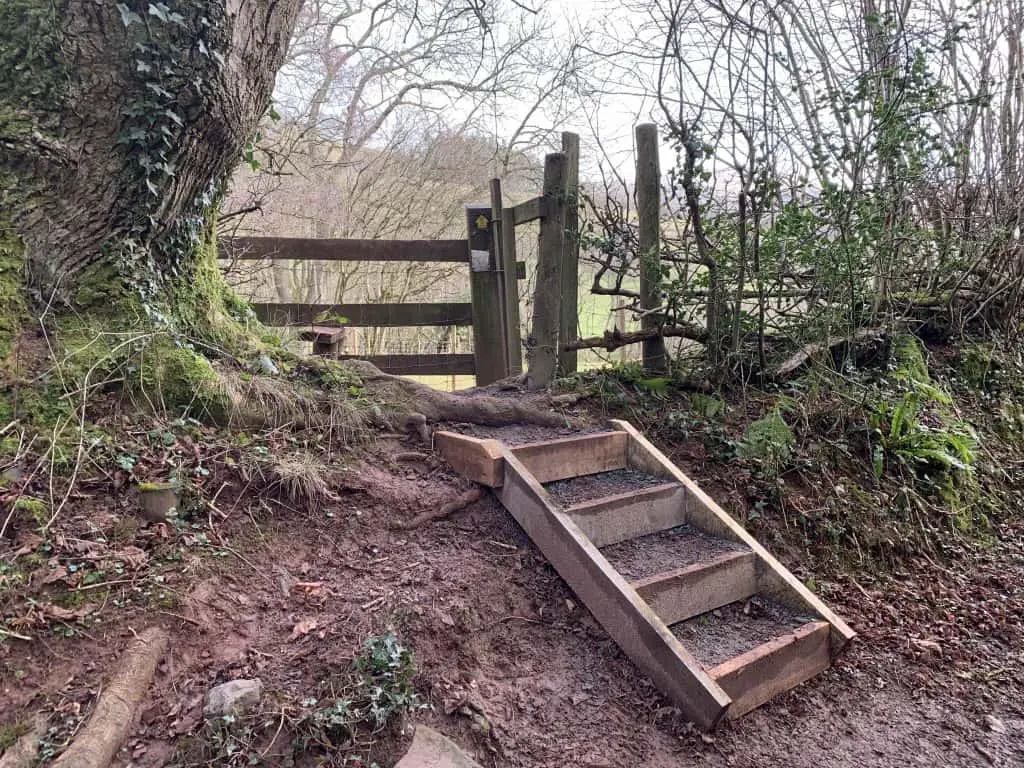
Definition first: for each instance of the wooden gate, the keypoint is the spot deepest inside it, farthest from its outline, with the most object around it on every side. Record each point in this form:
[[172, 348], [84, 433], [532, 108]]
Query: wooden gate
[[487, 312], [493, 310]]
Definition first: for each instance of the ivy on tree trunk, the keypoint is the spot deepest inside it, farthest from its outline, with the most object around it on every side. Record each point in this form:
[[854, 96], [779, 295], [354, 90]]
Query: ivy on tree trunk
[[118, 123]]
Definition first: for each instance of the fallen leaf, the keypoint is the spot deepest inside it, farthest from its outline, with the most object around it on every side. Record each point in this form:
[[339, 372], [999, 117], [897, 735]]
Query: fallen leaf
[[311, 588], [51, 611], [926, 645], [995, 724], [303, 628]]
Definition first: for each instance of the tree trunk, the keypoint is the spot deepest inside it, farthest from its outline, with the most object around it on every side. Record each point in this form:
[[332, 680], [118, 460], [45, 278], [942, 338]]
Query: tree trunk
[[122, 123]]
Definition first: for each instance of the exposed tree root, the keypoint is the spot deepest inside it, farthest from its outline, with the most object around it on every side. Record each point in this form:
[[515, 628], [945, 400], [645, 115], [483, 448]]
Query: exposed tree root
[[410, 397], [114, 716], [459, 502], [23, 753]]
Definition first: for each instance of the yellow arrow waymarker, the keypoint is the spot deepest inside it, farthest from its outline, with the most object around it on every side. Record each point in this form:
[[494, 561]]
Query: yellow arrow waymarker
[[482, 222]]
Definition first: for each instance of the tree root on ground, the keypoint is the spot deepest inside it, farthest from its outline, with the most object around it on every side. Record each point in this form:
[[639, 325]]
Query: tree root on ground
[[461, 501], [409, 397], [114, 716]]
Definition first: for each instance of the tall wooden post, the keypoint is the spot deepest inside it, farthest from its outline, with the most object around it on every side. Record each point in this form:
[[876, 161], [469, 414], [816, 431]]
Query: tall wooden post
[[648, 205], [543, 341], [485, 290], [569, 321], [504, 228]]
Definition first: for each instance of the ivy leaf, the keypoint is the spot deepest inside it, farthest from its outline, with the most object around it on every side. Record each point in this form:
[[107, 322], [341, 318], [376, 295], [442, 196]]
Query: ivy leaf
[[128, 16], [159, 10]]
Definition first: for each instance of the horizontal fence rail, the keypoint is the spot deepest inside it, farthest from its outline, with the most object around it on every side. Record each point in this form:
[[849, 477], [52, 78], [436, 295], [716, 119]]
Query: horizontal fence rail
[[365, 315], [312, 249]]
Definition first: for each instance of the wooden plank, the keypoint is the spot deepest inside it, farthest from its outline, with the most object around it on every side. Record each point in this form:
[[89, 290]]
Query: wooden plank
[[573, 456], [422, 365], [531, 210], [626, 516], [478, 460], [776, 666], [510, 276], [543, 342], [568, 326], [773, 579], [365, 315], [325, 249], [687, 592], [486, 288], [324, 334], [615, 605]]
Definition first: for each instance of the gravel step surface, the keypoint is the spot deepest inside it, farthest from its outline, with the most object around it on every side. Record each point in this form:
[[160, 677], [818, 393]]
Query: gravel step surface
[[577, 490], [666, 551], [734, 629]]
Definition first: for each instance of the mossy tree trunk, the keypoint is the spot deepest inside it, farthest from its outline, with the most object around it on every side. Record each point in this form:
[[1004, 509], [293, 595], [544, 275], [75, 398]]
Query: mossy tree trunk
[[118, 122]]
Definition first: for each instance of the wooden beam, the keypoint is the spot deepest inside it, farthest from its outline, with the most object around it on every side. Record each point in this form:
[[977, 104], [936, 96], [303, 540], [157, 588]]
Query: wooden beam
[[755, 677], [531, 210], [773, 579], [573, 456], [628, 515], [486, 288], [648, 209], [687, 592], [365, 315], [543, 342], [422, 365], [568, 326], [478, 460], [615, 605], [322, 249]]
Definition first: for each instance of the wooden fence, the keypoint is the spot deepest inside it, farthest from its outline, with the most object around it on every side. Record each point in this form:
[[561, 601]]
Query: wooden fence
[[489, 251]]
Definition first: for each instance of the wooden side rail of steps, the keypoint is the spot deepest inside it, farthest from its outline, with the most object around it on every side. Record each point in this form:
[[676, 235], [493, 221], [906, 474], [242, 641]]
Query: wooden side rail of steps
[[638, 613]]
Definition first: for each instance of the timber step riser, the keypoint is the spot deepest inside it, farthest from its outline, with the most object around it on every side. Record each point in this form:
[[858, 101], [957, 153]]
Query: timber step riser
[[630, 515], [687, 592], [637, 614]]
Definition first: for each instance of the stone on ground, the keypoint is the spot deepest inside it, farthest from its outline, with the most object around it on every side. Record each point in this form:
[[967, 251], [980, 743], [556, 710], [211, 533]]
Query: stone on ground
[[431, 749], [233, 697]]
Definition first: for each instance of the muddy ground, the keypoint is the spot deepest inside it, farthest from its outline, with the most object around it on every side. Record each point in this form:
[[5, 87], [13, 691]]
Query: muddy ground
[[511, 665]]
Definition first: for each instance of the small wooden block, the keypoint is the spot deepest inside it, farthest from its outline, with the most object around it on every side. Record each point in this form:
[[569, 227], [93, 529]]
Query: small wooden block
[[478, 460], [686, 592], [323, 334], [573, 456], [754, 677]]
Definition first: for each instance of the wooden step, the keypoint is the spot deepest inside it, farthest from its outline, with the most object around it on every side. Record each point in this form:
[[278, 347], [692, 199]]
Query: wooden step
[[623, 516], [682, 593], [754, 677], [481, 460], [573, 456]]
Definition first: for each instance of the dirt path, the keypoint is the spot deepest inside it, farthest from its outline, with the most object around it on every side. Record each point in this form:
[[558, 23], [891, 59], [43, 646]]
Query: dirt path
[[513, 668]]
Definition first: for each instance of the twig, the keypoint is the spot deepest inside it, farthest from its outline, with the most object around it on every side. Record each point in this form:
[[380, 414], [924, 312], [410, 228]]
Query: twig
[[15, 635], [460, 502]]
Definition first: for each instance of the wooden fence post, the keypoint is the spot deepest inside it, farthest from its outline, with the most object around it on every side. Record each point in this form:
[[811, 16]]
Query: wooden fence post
[[570, 315], [505, 248], [485, 289], [648, 205], [543, 343]]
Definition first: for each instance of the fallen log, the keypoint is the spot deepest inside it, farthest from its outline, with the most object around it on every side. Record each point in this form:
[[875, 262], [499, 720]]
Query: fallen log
[[814, 350], [108, 727]]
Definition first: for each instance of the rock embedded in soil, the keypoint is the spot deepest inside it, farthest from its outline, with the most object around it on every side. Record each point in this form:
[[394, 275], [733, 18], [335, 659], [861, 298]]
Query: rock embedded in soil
[[431, 749], [233, 697]]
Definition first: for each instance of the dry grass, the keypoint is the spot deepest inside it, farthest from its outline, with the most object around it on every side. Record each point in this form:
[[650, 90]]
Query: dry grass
[[266, 401], [302, 479]]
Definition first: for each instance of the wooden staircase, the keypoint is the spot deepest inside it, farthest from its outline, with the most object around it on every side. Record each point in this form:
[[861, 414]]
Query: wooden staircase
[[703, 609]]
